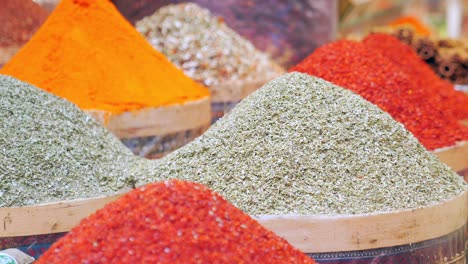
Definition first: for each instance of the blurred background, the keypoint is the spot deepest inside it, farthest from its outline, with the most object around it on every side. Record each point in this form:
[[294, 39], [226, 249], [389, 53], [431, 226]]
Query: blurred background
[[281, 27]]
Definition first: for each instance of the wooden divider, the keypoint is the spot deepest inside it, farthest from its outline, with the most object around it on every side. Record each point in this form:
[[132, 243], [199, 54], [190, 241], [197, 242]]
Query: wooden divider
[[321, 233]]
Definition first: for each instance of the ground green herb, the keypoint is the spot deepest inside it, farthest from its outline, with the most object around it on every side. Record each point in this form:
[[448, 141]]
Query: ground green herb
[[298, 145], [203, 46], [51, 151], [303, 145]]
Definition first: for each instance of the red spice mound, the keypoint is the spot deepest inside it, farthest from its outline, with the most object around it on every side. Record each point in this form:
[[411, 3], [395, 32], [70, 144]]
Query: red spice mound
[[372, 75], [171, 222], [409, 62], [19, 20]]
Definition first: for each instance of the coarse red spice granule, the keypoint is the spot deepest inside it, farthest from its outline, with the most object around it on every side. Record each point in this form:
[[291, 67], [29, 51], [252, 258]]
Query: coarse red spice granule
[[366, 71], [171, 222], [421, 74]]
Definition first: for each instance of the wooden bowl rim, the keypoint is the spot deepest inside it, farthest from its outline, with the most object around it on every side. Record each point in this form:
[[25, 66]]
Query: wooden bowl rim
[[337, 233]]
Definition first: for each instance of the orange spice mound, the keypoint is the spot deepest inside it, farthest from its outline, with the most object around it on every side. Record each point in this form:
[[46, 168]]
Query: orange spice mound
[[89, 54], [413, 22]]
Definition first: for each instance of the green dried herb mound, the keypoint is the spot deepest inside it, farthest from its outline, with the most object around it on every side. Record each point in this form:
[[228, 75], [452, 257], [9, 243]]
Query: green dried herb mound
[[203, 46], [303, 145], [51, 151]]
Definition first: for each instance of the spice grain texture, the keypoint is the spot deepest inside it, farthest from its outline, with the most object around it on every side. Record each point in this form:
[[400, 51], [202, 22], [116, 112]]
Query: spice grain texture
[[51, 151], [302, 145], [421, 74], [89, 54], [428, 107], [203, 46], [171, 222]]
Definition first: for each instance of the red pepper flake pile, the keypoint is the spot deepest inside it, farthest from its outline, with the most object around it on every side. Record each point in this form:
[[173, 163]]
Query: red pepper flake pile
[[19, 20], [421, 73], [366, 70], [171, 222]]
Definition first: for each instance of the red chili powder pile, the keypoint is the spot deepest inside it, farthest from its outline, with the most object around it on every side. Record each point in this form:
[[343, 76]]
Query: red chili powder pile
[[368, 72], [19, 20], [423, 76], [171, 222]]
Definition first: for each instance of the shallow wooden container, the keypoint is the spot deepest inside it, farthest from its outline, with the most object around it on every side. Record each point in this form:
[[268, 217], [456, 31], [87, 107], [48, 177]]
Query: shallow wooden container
[[455, 157], [154, 132], [430, 235], [33, 229], [227, 95]]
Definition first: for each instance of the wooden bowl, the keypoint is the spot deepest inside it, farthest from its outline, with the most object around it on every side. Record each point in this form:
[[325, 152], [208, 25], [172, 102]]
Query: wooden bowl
[[154, 132], [227, 95], [455, 157], [33, 229], [344, 238], [430, 235]]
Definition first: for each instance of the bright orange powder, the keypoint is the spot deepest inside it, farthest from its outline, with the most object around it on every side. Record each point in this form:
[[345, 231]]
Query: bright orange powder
[[413, 22], [89, 54]]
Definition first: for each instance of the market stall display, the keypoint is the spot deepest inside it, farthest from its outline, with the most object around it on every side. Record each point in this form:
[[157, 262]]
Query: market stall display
[[447, 57], [117, 77], [19, 20], [52, 152], [209, 52], [277, 27], [303, 146], [453, 155], [298, 138], [351, 157], [422, 75], [171, 222], [280, 151], [389, 74], [55, 151], [430, 110]]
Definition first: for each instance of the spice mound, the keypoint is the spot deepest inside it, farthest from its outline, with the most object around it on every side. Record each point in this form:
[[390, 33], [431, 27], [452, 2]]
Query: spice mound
[[89, 54], [423, 76], [52, 151], [204, 47], [395, 79], [171, 222], [448, 58], [303, 145]]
